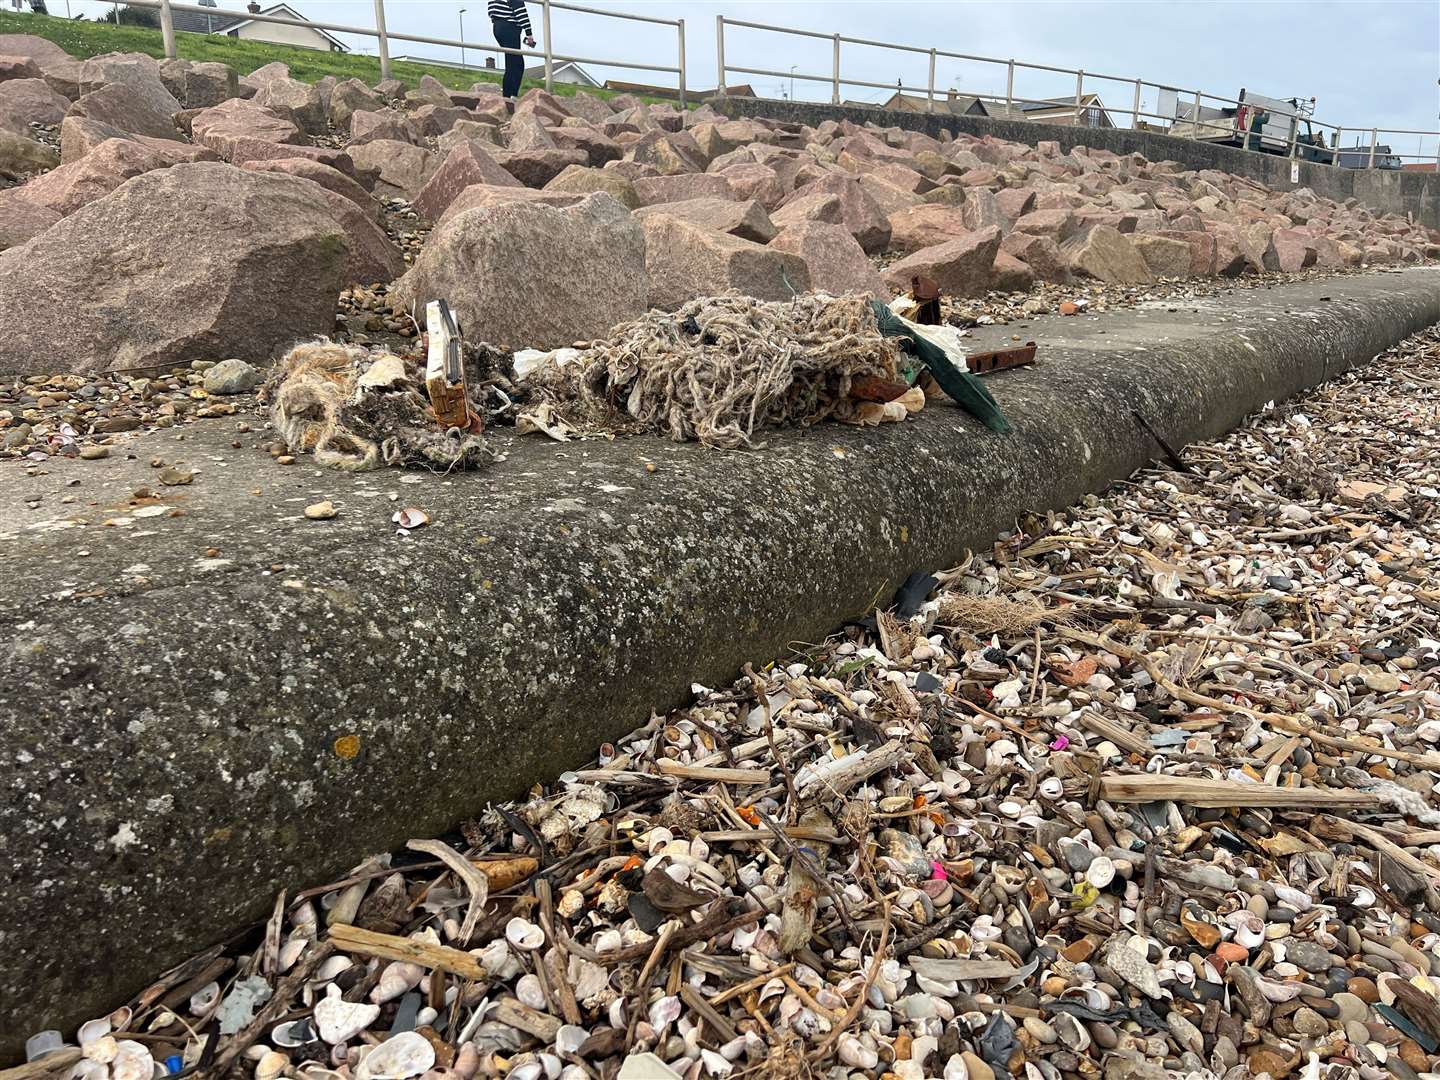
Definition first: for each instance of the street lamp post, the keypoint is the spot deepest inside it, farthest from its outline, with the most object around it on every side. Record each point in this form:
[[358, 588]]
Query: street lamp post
[[792, 81], [462, 37]]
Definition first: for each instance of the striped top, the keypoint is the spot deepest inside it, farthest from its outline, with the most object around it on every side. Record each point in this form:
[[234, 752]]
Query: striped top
[[511, 11]]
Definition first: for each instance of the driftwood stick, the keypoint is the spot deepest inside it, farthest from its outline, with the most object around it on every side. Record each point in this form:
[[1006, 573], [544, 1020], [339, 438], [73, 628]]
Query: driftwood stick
[[352, 939]]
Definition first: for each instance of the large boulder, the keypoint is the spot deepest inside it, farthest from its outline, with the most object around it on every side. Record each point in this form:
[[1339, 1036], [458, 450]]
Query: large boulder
[[1164, 257], [1202, 249], [373, 258], [576, 135], [79, 136], [331, 179], [655, 190], [960, 267], [131, 97], [925, 226], [1290, 251], [522, 274], [1040, 253], [859, 211], [41, 50], [222, 126], [670, 154], [483, 196], [402, 168], [536, 168], [349, 97], [481, 131], [21, 220], [1105, 254], [838, 265], [435, 120], [21, 157], [69, 187], [199, 85], [585, 180], [465, 165], [587, 107], [370, 125], [298, 102], [755, 181], [18, 67], [746, 220], [196, 261], [687, 260], [1009, 274], [30, 101], [243, 150]]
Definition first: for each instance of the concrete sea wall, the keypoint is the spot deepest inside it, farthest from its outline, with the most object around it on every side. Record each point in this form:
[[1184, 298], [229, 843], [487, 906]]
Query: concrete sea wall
[[188, 730]]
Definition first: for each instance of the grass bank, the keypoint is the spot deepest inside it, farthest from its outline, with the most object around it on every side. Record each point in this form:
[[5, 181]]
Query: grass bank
[[84, 38]]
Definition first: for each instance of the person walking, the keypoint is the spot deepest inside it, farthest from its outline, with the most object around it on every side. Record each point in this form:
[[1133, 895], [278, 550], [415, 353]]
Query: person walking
[[510, 20]]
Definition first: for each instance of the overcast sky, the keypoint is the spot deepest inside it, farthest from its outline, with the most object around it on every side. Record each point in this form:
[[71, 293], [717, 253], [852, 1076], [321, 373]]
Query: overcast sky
[[1367, 62]]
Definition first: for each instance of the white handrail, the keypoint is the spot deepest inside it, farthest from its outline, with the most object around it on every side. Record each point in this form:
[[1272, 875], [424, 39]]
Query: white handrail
[[1197, 126]]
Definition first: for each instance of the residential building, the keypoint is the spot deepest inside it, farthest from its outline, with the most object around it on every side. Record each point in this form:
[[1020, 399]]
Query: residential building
[[564, 72], [239, 25], [1062, 111]]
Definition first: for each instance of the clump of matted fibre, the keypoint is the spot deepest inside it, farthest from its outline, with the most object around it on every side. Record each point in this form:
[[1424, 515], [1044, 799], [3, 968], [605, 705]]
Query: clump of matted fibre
[[718, 370], [357, 409]]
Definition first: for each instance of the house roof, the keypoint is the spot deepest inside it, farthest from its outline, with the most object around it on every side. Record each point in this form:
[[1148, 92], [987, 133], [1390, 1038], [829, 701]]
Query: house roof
[[538, 72], [222, 22], [1087, 101]]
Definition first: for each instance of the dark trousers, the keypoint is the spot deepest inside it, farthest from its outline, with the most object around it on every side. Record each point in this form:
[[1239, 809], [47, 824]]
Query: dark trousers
[[507, 36]]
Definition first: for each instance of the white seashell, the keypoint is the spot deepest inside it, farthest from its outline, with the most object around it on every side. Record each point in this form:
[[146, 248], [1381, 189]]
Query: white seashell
[[715, 1064], [101, 1049], [551, 1064], [855, 1053], [132, 1062], [1364, 897], [616, 1013], [664, 1012], [85, 1069], [1101, 872], [396, 979], [955, 1069], [523, 934], [1012, 809], [204, 999], [332, 967], [339, 1020], [271, 1065], [570, 1038], [92, 1030], [400, 1056], [528, 990], [426, 1016], [1294, 898], [530, 1070], [1052, 787], [498, 960], [295, 1033], [290, 952]]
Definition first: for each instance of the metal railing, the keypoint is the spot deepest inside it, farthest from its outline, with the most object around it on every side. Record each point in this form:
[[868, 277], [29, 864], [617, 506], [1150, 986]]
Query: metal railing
[[385, 36], [1188, 119]]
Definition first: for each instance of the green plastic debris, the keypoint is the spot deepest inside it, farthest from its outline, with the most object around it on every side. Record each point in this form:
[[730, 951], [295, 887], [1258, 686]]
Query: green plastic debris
[[966, 390]]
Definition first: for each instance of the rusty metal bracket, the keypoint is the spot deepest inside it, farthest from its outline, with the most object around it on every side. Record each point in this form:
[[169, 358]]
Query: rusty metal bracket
[[986, 362], [926, 293]]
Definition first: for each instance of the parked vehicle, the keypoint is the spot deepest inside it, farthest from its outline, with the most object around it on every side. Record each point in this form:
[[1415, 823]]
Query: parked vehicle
[[1283, 122]]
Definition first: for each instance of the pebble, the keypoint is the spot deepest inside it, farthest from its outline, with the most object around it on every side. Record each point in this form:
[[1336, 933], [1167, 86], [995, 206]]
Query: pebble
[[321, 511], [231, 377], [94, 452]]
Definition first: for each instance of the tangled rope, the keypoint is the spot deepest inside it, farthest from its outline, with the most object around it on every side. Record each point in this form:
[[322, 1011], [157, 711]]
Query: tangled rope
[[357, 410], [719, 369]]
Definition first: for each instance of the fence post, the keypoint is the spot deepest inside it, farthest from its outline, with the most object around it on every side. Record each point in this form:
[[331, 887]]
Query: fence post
[[1294, 133], [1335, 157], [930, 106], [1374, 135], [549, 52], [720, 54], [680, 26], [1009, 89], [384, 41], [167, 29], [1079, 93], [835, 77], [1196, 133], [1135, 109]]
